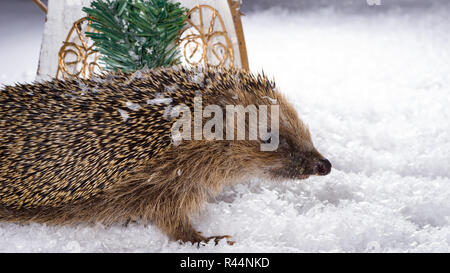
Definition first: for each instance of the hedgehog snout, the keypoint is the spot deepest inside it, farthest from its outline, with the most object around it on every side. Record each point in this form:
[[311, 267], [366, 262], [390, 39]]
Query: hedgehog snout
[[322, 166]]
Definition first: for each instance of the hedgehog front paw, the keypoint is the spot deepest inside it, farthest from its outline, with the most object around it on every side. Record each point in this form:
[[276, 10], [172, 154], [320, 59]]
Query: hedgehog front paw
[[198, 239], [218, 238]]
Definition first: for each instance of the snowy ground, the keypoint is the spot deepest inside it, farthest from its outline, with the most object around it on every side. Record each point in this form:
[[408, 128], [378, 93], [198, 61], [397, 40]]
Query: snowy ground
[[373, 87]]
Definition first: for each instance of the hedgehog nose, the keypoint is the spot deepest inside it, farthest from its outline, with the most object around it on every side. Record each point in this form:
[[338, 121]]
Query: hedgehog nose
[[323, 167]]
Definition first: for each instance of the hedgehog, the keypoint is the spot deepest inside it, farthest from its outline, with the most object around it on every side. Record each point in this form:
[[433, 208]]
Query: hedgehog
[[102, 150]]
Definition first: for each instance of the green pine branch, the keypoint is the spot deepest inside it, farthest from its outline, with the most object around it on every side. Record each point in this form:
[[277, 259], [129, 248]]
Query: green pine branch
[[133, 34]]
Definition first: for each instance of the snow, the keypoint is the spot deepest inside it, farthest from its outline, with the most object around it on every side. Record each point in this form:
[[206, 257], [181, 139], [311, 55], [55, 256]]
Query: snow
[[160, 101], [133, 55], [132, 106], [198, 78], [137, 74], [168, 112], [372, 87], [124, 114], [84, 88], [172, 88]]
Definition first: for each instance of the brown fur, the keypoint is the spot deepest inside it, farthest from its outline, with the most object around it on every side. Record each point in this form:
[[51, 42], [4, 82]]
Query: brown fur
[[60, 164]]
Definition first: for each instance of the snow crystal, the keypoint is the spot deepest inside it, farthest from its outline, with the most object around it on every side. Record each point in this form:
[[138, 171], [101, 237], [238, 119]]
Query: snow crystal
[[168, 112], [172, 88], [132, 106], [84, 88], [237, 78], [133, 55], [73, 247], [98, 79], [208, 82], [124, 114], [198, 77], [159, 101], [109, 78], [137, 74]]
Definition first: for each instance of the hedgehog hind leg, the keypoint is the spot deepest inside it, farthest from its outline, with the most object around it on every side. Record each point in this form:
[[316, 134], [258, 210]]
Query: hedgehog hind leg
[[186, 233], [179, 228], [189, 234]]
